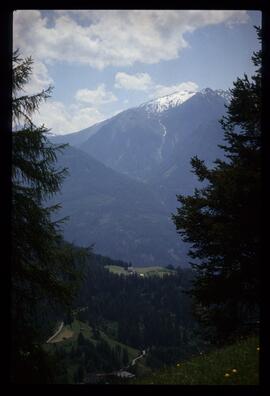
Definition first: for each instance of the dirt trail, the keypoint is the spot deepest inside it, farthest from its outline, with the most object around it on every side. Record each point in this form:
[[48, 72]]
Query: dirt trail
[[139, 357], [56, 333]]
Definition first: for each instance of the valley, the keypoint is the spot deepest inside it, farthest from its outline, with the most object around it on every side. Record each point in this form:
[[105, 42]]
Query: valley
[[107, 341], [117, 315]]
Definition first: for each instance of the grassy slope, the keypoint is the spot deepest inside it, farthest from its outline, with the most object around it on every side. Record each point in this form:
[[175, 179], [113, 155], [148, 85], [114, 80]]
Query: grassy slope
[[211, 369], [147, 271], [115, 269], [77, 326]]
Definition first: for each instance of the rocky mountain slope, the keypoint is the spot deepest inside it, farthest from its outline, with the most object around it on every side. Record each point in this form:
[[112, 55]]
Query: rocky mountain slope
[[122, 189], [122, 217]]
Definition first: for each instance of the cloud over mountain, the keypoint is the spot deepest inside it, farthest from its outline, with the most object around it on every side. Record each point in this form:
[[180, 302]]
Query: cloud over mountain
[[138, 81], [63, 119], [162, 90], [96, 96]]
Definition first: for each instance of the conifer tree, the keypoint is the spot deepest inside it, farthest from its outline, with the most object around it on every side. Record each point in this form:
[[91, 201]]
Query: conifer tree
[[43, 266], [222, 219]]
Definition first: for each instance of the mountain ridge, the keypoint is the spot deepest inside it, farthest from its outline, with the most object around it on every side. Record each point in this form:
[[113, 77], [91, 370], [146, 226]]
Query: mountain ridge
[[78, 137], [177, 98], [139, 142], [125, 205]]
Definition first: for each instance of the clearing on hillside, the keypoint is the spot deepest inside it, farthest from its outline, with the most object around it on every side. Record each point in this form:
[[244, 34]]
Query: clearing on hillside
[[64, 334], [142, 271]]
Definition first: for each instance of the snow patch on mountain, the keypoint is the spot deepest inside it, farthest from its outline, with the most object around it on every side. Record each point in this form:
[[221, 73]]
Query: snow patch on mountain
[[225, 94], [164, 133], [165, 102], [163, 128]]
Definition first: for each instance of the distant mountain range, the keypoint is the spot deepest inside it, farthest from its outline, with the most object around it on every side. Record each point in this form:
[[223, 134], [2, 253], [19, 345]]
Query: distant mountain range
[[125, 173]]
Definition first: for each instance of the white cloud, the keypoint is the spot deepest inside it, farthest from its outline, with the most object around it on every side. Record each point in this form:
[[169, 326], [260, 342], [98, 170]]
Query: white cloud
[[138, 81], [63, 119], [101, 38], [144, 82], [95, 97], [163, 90]]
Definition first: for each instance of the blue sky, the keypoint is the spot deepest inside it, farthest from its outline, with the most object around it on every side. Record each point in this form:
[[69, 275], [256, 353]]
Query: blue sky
[[101, 62]]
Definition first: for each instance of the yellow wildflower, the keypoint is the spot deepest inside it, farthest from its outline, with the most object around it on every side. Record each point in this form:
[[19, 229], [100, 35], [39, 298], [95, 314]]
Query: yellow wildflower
[[258, 348], [234, 370], [178, 364], [226, 375]]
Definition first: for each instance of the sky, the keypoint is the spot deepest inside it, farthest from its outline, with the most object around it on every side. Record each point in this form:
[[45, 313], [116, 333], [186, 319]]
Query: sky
[[101, 62]]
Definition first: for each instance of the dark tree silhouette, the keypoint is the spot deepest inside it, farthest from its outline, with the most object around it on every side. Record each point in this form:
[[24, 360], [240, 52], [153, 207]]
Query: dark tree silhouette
[[43, 266], [222, 219]]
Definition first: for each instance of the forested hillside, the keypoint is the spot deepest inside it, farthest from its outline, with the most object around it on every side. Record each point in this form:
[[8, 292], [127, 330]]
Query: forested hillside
[[145, 313]]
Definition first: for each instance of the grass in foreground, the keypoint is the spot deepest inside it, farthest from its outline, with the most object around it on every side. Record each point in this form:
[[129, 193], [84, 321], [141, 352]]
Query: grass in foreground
[[237, 364]]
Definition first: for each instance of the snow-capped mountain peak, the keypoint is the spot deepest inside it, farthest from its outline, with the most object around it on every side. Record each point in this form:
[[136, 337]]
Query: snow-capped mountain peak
[[165, 102], [177, 98]]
